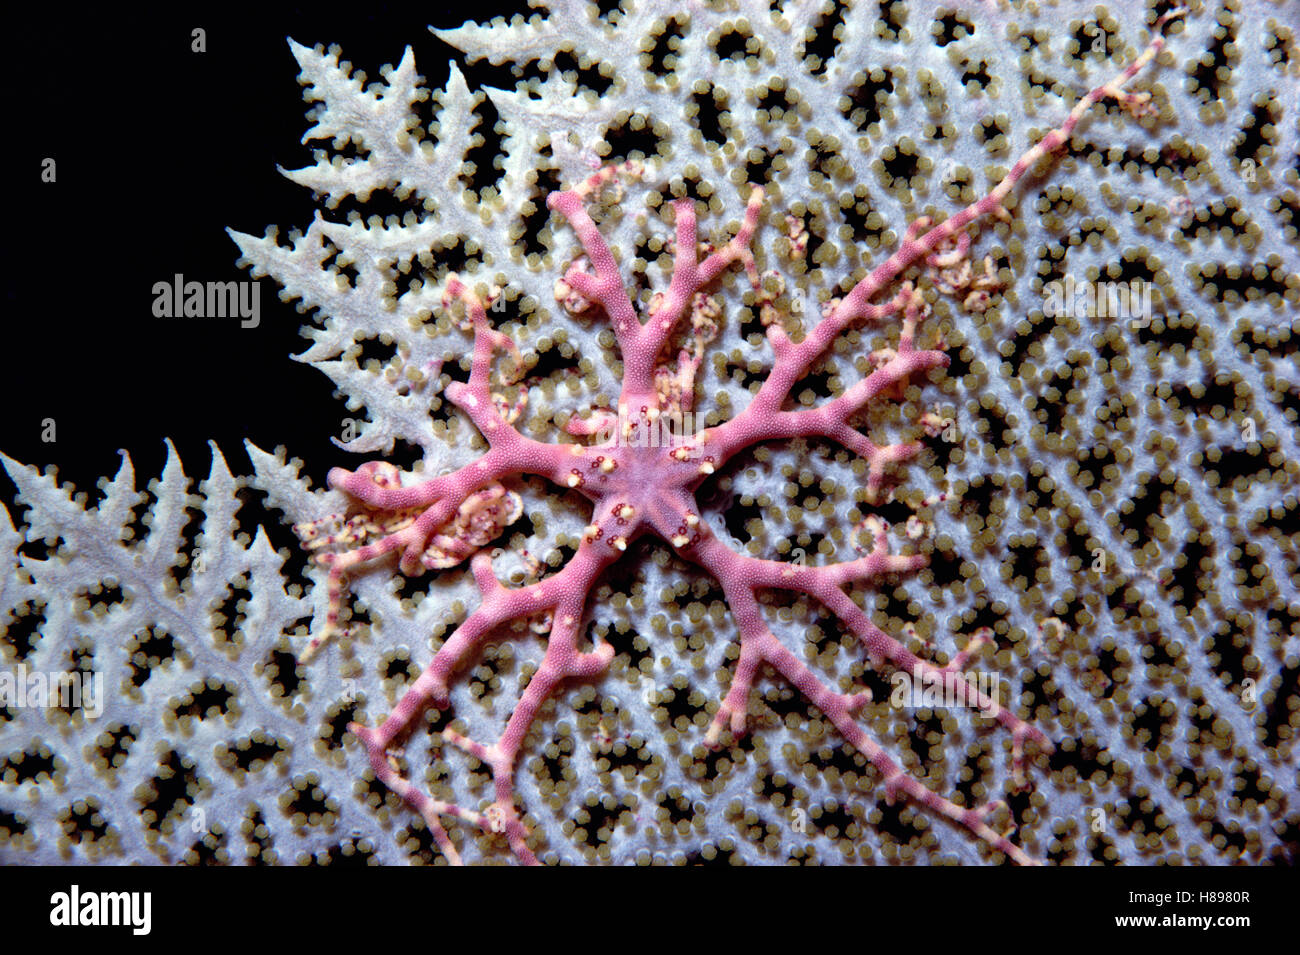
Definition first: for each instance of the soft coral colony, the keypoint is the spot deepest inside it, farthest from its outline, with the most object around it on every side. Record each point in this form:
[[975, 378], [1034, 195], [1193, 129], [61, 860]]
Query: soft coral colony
[[638, 486], [723, 366]]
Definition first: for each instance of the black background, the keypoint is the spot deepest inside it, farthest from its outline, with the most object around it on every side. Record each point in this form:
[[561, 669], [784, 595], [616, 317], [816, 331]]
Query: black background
[[159, 150], [760, 910]]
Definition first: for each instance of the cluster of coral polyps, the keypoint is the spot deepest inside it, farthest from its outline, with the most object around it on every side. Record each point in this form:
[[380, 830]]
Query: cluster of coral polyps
[[639, 487]]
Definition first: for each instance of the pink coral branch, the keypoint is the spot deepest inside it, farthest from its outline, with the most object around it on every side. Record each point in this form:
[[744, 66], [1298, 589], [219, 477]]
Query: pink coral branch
[[794, 361], [458, 512], [759, 645], [638, 489], [759, 422], [743, 576], [475, 397], [563, 661], [826, 584], [689, 276], [604, 286], [563, 594]]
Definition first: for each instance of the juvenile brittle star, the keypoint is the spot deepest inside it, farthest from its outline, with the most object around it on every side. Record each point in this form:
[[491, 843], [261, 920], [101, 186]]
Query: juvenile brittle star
[[639, 487]]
